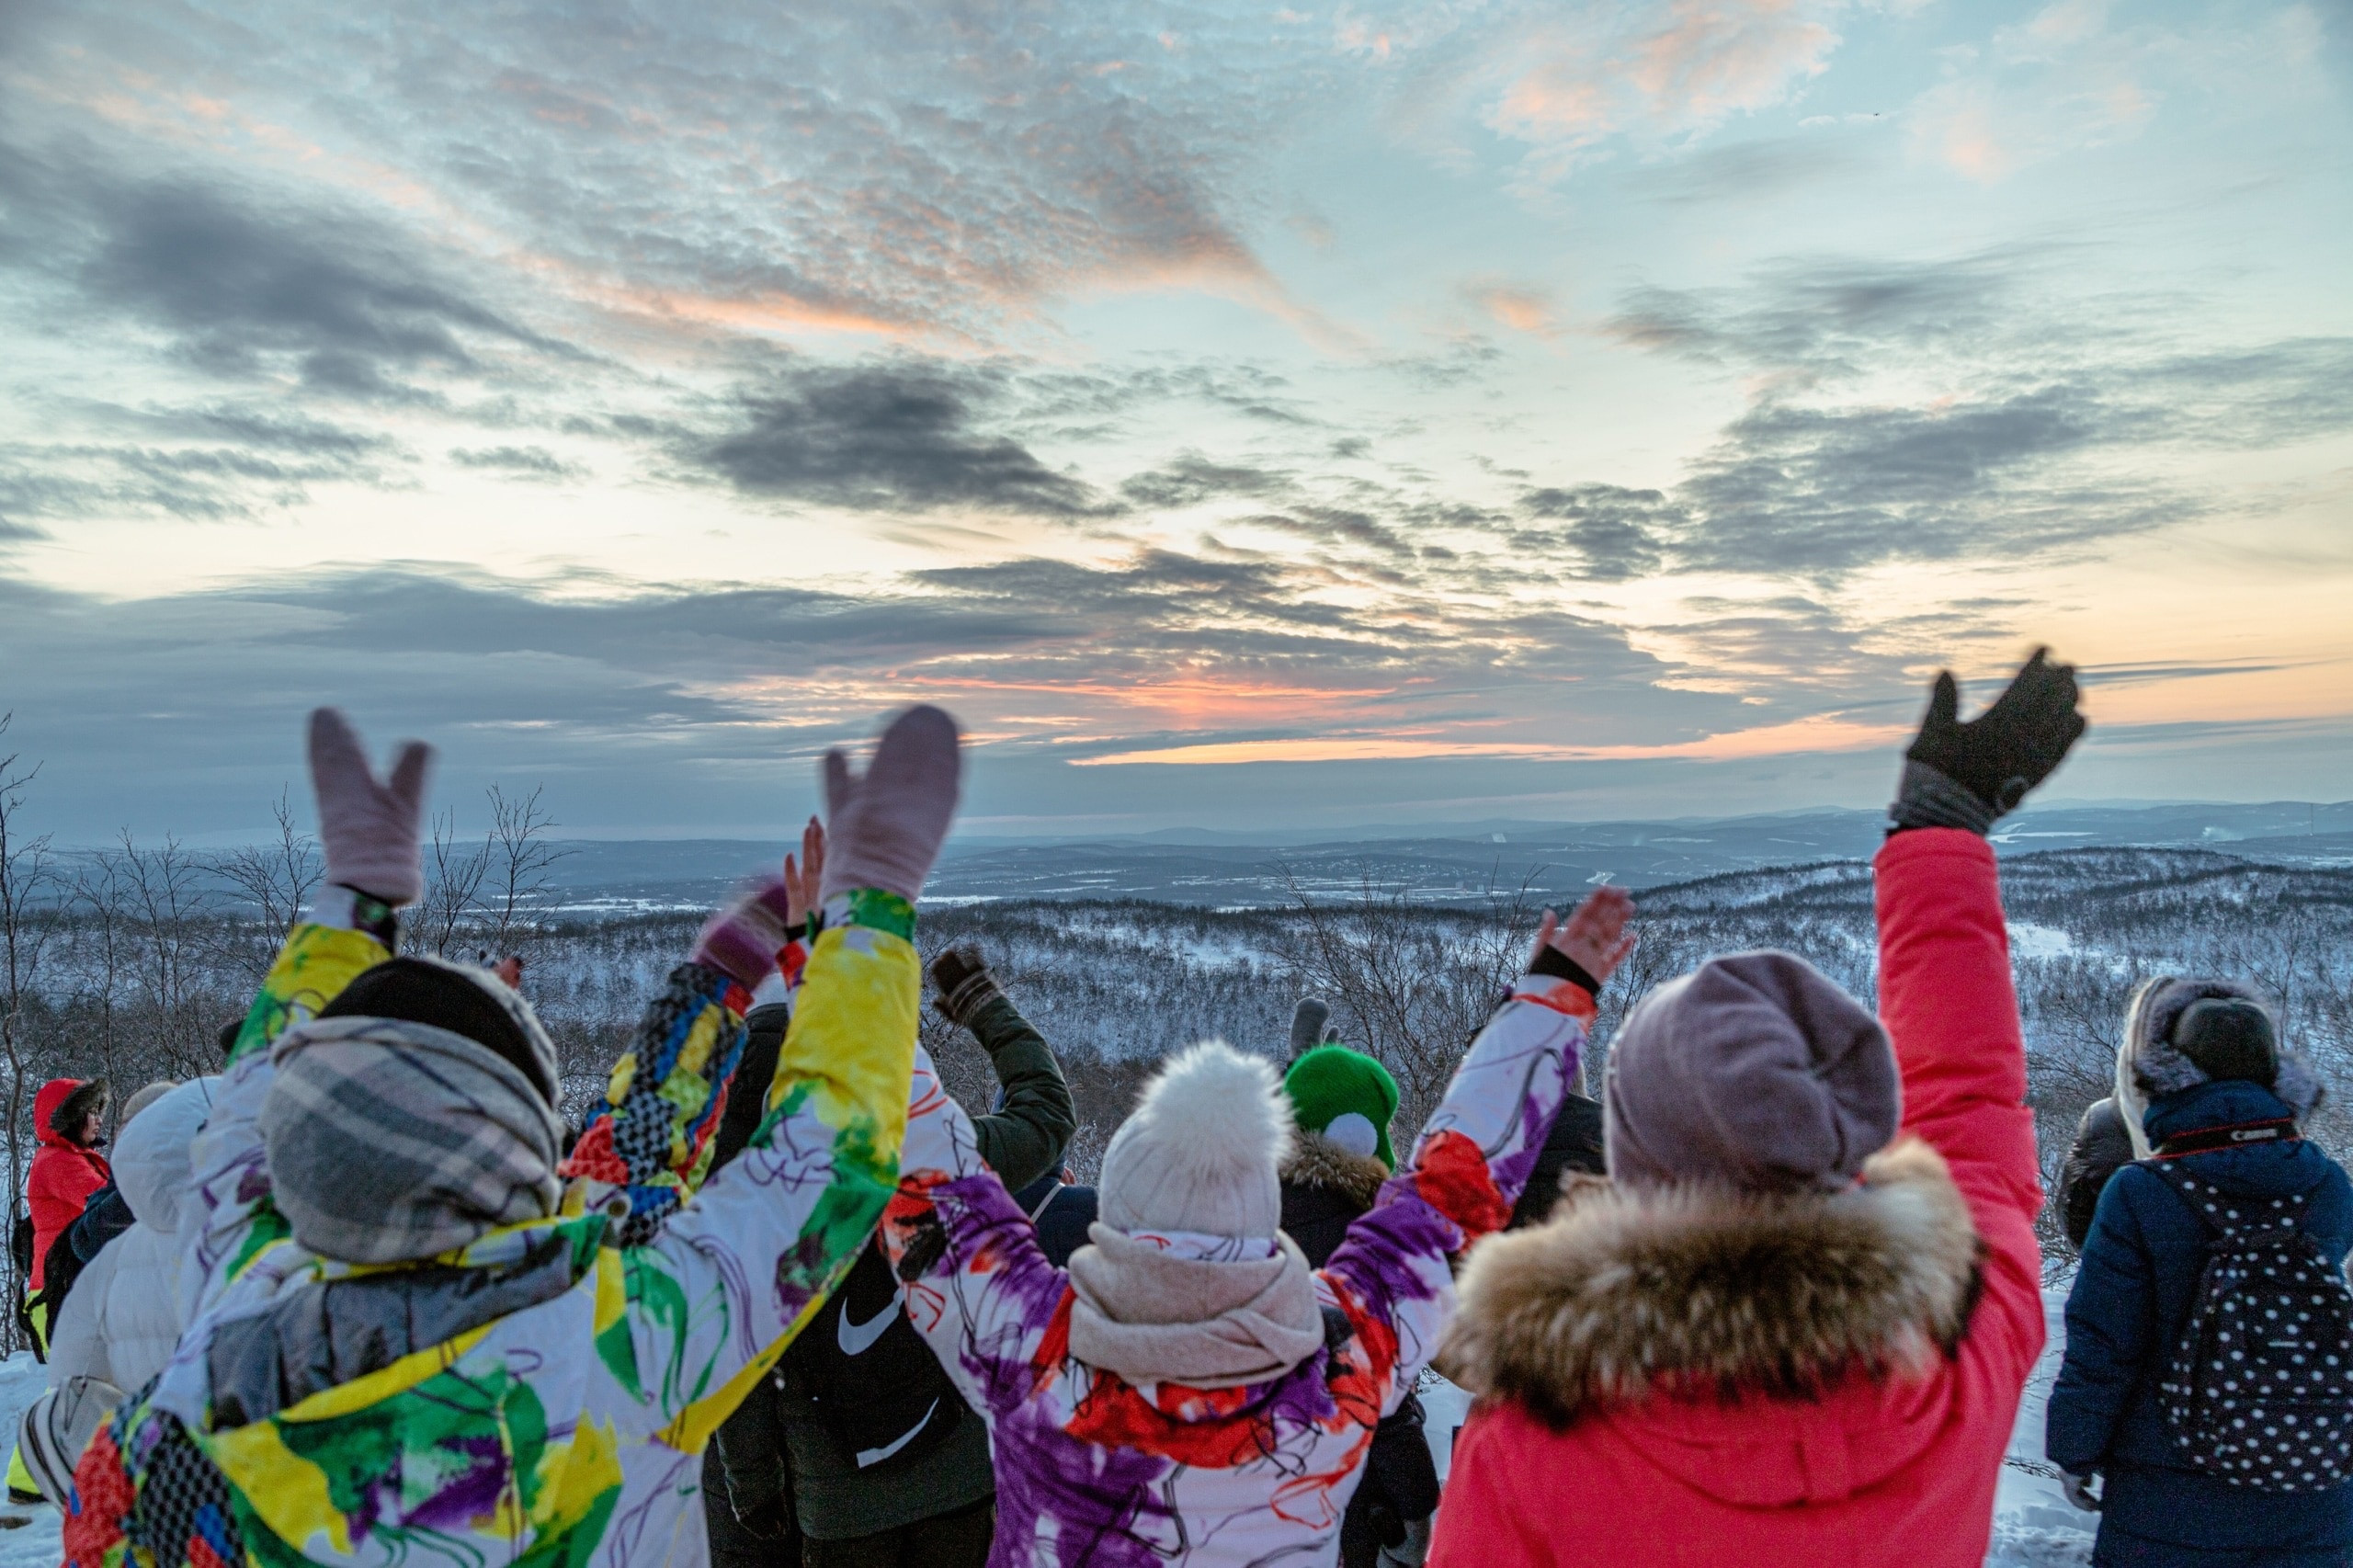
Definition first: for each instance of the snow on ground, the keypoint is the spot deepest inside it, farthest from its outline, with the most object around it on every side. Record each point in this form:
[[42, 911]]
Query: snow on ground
[[2034, 1525], [27, 1535]]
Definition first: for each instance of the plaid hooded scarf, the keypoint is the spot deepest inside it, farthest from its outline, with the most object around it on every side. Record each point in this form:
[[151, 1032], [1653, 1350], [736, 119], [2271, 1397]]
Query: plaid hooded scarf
[[391, 1141]]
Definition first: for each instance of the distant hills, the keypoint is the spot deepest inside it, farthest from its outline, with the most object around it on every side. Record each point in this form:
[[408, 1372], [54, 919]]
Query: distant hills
[[1454, 862]]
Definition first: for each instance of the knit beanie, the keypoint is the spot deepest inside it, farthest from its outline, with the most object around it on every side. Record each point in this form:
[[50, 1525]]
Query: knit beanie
[[146, 1097], [1346, 1096], [1201, 1149], [2181, 1031], [1754, 1071], [460, 998]]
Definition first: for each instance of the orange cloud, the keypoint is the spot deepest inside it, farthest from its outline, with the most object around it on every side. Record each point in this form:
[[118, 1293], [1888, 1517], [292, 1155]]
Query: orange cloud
[[1827, 733]]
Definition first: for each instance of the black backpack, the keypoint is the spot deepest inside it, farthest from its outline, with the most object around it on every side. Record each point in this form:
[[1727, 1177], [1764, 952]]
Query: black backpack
[[878, 1389], [2259, 1390]]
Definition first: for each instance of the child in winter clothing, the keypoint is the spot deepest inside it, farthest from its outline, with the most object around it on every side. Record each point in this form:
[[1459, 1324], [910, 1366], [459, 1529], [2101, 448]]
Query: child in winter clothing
[[443, 1352], [1773, 1338], [1343, 1102], [1189, 1391], [2206, 1093]]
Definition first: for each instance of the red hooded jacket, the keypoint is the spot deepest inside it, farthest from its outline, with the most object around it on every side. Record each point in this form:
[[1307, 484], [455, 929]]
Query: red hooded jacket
[[1897, 1469], [63, 1174]]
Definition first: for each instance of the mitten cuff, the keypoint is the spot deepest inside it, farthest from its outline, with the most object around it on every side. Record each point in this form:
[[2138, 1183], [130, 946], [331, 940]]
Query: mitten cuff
[[1926, 797], [975, 991]]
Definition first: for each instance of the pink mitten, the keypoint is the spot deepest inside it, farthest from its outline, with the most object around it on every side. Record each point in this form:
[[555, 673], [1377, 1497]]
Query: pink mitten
[[883, 829], [367, 828], [742, 939]]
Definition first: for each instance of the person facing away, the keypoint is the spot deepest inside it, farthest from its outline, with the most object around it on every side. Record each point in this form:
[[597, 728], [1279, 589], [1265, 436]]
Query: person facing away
[[1190, 1391], [888, 1466], [1792, 1326], [446, 1352], [1343, 1102], [2211, 1102], [2103, 1146]]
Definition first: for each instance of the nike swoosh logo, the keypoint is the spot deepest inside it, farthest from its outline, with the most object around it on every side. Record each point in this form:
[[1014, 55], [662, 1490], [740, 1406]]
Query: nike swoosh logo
[[857, 1338], [876, 1456]]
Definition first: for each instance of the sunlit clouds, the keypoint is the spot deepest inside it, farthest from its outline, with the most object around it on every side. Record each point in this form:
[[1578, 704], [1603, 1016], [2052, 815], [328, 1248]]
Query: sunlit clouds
[[1313, 415]]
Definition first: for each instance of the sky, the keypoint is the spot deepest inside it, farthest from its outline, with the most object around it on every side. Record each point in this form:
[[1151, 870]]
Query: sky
[[1237, 416]]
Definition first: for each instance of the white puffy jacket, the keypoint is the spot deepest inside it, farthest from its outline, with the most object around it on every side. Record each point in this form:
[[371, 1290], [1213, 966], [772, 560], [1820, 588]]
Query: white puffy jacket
[[123, 1317]]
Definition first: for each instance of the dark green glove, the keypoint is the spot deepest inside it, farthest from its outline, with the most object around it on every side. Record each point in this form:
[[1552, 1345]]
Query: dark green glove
[[964, 983], [1970, 775]]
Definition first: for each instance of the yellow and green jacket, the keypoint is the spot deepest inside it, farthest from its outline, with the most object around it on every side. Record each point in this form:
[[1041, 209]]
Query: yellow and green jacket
[[542, 1395]]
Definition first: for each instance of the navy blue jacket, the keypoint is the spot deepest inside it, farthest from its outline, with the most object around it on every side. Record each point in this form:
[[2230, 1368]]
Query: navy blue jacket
[[2132, 1295]]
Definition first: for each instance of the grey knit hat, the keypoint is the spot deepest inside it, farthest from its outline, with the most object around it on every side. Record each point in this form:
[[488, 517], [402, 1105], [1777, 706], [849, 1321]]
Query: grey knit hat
[[1756, 1070]]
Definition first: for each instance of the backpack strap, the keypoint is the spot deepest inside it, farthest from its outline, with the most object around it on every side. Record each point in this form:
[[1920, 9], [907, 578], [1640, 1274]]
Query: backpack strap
[[2226, 1217], [2238, 1134]]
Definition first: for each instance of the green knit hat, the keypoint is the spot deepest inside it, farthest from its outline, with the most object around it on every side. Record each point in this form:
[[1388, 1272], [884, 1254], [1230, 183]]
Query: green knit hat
[[1331, 1082]]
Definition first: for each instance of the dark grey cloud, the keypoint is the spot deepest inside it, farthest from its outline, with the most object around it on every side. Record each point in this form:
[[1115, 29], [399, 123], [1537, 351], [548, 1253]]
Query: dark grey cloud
[[1612, 533], [1191, 479], [902, 434], [518, 462], [1830, 315], [246, 285]]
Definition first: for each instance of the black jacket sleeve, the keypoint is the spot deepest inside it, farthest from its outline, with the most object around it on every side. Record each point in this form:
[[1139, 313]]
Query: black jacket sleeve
[[2102, 1148], [1573, 1144], [1024, 1138], [748, 1093]]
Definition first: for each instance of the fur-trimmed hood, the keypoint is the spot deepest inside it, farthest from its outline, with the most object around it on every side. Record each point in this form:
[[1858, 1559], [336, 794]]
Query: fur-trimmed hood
[[1704, 1289], [2149, 1066], [1316, 1161]]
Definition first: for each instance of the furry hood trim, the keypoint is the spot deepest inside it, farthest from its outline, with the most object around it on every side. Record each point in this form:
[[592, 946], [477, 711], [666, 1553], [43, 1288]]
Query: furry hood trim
[[2150, 1066], [1703, 1289], [1316, 1161]]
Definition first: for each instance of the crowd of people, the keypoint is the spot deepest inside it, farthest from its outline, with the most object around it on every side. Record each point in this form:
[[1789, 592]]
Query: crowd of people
[[366, 1296]]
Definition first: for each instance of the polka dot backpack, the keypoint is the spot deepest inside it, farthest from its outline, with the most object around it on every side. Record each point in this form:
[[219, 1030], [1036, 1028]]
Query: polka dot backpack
[[2259, 1391]]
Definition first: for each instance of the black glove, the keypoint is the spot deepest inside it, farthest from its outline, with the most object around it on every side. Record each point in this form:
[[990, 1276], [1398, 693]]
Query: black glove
[[1959, 775], [964, 983], [2079, 1490]]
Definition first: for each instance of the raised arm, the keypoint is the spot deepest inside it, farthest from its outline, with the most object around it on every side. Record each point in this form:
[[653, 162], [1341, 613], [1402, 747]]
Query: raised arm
[[369, 834], [723, 1283], [1945, 990], [1024, 1138], [1391, 1274]]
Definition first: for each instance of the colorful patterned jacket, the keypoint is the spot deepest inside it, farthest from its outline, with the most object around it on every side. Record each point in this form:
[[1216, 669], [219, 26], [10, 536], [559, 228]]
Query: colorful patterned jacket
[[1092, 1470], [542, 1395]]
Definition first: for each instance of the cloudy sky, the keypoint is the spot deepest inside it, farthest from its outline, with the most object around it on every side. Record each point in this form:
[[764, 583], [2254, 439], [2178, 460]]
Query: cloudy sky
[[1238, 416]]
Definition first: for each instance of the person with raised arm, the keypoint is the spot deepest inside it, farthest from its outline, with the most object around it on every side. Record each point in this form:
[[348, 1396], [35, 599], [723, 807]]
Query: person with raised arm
[[1792, 1327], [420, 1342], [1189, 1391]]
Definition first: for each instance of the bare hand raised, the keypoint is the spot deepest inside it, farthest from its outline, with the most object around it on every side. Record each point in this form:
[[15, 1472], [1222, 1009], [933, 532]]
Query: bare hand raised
[[1594, 938]]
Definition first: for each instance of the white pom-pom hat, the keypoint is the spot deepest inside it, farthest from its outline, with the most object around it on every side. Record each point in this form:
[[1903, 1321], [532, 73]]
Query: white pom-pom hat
[[1201, 1151]]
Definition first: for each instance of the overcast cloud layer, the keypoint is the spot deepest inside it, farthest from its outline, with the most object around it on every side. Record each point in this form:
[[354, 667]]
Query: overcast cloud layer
[[1234, 414]]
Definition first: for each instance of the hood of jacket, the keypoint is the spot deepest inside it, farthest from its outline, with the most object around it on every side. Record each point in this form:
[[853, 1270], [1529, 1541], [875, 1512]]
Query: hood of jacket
[[2149, 1067], [1316, 1161], [1763, 1347], [46, 1101], [150, 1154]]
